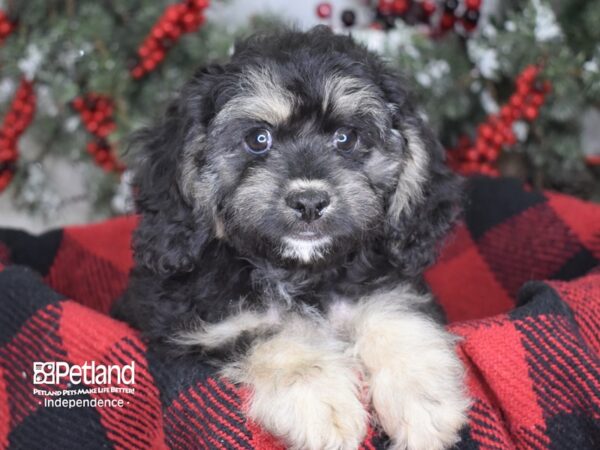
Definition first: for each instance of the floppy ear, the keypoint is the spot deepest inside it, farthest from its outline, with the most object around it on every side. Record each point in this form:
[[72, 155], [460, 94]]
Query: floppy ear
[[172, 232], [426, 200]]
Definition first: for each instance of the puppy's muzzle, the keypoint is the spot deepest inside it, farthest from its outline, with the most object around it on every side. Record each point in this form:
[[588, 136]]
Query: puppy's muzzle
[[308, 204]]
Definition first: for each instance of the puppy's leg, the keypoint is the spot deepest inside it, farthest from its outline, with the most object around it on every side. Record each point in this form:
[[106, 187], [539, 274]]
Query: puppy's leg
[[304, 390], [415, 378]]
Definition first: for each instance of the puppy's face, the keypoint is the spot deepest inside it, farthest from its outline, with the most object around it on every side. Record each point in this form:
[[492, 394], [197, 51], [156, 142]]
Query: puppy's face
[[297, 166], [304, 149]]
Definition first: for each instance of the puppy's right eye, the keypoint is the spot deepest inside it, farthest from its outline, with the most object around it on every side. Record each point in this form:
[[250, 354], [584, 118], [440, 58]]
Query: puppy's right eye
[[258, 141]]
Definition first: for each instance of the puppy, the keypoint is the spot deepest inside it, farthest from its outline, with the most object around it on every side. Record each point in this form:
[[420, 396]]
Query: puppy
[[290, 201]]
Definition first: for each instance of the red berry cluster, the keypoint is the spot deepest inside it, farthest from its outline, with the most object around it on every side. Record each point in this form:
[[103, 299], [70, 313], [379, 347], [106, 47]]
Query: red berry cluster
[[496, 132], [96, 112], [6, 26], [179, 18], [16, 121], [450, 13], [104, 155], [408, 10]]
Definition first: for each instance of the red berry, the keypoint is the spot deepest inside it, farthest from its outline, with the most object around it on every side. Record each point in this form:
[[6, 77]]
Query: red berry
[[149, 65], [400, 6], [492, 154], [473, 4], [172, 13], [324, 10], [537, 99], [530, 113], [5, 28], [529, 73], [157, 55], [547, 86], [98, 115], [506, 113], [447, 21], [385, 7], [158, 32], [137, 72], [486, 132], [78, 103], [472, 155], [428, 7], [200, 4], [498, 139], [516, 101]]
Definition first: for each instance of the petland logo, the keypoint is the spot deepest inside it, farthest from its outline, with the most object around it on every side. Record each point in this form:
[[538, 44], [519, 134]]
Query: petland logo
[[90, 373]]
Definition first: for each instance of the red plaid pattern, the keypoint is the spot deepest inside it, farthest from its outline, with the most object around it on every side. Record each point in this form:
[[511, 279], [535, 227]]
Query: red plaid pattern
[[531, 348]]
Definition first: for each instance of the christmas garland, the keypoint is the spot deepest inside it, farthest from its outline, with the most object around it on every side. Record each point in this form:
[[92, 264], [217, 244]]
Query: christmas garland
[[96, 112], [6, 26], [439, 17], [95, 109], [183, 17], [481, 154], [16, 121], [471, 155]]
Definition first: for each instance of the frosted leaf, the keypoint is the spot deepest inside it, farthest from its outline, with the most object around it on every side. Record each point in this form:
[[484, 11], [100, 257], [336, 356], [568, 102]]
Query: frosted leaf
[[7, 89], [31, 62], [485, 59], [521, 130], [510, 26], [122, 202], [434, 71], [488, 102], [71, 124], [423, 79], [546, 26], [591, 66], [489, 31], [400, 39], [46, 103]]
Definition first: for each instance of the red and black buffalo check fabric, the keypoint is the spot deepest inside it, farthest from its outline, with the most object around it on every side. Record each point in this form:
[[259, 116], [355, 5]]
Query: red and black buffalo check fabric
[[531, 347]]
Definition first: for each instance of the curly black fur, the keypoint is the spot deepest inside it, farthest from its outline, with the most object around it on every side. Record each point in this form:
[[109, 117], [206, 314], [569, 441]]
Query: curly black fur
[[209, 243]]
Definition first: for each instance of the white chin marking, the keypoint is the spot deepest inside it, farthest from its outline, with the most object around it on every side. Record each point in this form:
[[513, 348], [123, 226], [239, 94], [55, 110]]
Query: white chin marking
[[305, 250]]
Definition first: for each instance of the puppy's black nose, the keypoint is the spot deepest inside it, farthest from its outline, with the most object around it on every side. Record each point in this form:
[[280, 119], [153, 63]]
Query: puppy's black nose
[[309, 204]]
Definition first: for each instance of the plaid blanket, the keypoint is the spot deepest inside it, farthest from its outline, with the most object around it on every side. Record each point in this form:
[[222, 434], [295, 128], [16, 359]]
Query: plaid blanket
[[531, 347]]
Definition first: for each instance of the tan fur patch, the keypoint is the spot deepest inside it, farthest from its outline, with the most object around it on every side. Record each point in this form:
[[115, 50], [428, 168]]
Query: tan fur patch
[[304, 389], [415, 378], [412, 177], [264, 99]]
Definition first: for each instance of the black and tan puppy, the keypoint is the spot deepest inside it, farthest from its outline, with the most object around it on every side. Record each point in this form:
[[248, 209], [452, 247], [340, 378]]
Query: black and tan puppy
[[290, 200]]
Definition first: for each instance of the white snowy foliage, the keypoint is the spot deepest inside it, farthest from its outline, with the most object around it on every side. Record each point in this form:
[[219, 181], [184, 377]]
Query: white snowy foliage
[[521, 130], [489, 104], [31, 62], [484, 58], [433, 72], [546, 25]]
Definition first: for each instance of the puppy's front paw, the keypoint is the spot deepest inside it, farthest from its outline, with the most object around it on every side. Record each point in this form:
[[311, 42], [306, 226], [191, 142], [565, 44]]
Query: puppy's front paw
[[416, 383], [422, 414], [307, 395]]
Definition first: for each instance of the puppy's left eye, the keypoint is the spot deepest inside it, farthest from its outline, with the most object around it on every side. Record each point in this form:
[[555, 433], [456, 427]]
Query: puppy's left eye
[[258, 141], [345, 139]]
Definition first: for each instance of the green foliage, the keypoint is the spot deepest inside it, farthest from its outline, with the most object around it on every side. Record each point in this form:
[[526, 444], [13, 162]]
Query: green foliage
[[75, 47], [460, 81]]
